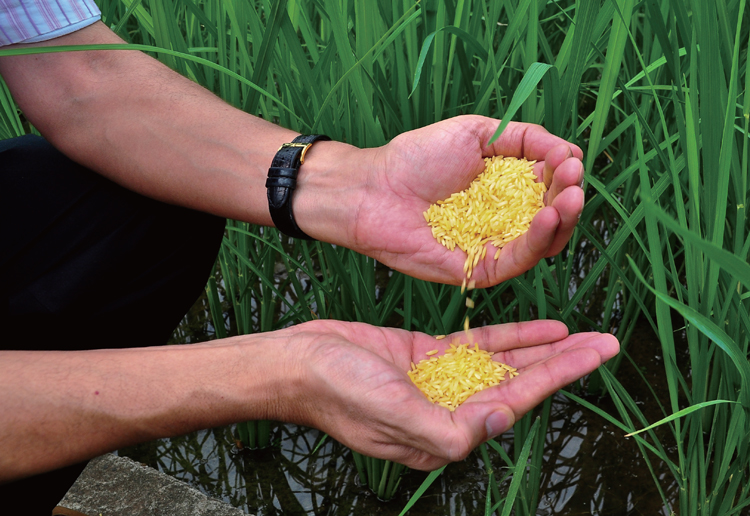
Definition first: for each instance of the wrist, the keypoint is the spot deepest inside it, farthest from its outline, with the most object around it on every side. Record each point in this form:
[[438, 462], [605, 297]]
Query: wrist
[[270, 380], [330, 187]]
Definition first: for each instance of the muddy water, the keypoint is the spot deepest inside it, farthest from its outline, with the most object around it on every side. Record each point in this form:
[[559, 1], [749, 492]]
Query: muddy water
[[588, 467]]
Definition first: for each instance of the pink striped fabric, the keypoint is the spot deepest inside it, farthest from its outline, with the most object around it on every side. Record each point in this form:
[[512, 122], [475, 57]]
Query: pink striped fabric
[[29, 21]]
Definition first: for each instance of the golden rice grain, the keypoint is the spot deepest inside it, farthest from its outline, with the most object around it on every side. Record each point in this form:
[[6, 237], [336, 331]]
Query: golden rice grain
[[496, 208], [461, 371]]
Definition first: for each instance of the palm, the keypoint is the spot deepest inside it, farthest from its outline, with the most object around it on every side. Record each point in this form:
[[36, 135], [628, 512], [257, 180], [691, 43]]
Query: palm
[[368, 402], [423, 166]]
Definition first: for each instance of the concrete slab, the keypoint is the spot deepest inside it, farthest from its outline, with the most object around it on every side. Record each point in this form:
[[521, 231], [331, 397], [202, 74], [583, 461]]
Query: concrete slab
[[118, 486]]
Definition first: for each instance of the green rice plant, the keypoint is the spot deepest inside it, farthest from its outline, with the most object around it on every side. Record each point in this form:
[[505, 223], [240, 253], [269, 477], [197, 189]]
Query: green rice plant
[[679, 94], [381, 476], [655, 92]]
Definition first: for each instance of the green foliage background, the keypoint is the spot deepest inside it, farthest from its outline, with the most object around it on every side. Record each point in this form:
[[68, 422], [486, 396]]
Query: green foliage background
[[655, 92]]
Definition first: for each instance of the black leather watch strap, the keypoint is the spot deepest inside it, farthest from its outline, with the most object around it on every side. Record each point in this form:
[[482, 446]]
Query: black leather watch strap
[[282, 180]]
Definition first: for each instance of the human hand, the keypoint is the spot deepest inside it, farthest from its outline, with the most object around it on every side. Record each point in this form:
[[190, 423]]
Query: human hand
[[420, 167], [355, 387]]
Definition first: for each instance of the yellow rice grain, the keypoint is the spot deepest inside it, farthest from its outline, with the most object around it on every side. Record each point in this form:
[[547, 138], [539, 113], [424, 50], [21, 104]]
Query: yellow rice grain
[[496, 208], [469, 302], [461, 371], [432, 352]]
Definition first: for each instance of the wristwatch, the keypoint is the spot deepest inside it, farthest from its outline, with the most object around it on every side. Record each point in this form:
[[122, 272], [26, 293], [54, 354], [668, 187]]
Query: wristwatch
[[282, 180]]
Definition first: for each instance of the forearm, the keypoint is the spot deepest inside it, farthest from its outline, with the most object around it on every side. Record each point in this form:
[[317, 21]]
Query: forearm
[[62, 407], [130, 118]]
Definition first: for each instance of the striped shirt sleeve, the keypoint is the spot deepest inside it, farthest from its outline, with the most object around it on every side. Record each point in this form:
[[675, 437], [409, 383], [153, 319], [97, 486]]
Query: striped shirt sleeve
[[30, 21]]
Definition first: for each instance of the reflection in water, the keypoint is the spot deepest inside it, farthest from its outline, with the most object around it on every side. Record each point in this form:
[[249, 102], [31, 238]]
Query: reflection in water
[[589, 468]]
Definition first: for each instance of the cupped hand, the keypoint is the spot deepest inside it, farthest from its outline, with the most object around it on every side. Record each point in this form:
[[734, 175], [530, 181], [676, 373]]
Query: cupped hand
[[356, 388], [423, 166]]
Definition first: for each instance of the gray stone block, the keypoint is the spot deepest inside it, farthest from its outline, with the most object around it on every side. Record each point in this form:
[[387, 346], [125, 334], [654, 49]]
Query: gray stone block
[[118, 486]]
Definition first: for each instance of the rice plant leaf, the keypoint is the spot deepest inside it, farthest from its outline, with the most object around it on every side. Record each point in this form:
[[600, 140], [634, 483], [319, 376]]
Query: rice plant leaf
[[430, 302], [144, 18], [615, 244], [474, 45], [526, 87], [552, 107], [736, 266], [359, 463], [723, 172], [585, 22], [612, 63], [401, 25], [394, 31], [421, 489], [501, 451], [597, 410], [374, 130], [488, 500], [130, 8], [520, 469], [267, 282], [214, 305], [655, 65], [11, 123], [710, 330], [265, 54], [681, 413]]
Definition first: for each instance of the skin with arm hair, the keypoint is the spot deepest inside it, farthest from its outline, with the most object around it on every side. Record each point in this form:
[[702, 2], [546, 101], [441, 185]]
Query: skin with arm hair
[[133, 120], [347, 379]]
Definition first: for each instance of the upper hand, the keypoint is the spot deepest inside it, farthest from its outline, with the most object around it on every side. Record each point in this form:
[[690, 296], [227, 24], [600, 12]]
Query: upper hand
[[355, 387], [423, 166]]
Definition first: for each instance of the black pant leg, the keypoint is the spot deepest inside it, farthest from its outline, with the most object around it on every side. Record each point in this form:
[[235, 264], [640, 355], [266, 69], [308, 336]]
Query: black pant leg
[[87, 264]]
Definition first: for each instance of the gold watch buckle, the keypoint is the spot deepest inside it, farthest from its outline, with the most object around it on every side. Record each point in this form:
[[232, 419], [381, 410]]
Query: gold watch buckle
[[303, 146]]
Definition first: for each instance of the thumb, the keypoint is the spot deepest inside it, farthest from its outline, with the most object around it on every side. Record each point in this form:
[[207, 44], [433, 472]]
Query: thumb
[[484, 420]]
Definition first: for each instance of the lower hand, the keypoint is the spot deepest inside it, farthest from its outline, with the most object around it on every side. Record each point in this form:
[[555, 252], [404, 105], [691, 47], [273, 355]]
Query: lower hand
[[355, 386]]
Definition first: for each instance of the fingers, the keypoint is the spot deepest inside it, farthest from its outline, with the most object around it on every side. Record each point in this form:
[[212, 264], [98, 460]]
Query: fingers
[[538, 381], [554, 159], [529, 141], [496, 338], [493, 411], [569, 205], [498, 407], [525, 357], [425, 436], [524, 252], [503, 337]]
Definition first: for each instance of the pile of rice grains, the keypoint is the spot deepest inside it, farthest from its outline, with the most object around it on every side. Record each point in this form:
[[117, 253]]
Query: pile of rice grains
[[496, 208], [461, 371]]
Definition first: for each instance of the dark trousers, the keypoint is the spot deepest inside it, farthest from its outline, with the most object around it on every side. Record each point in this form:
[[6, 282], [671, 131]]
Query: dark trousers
[[87, 264]]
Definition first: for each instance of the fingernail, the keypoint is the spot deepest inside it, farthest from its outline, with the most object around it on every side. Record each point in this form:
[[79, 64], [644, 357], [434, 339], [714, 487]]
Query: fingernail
[[496, 423], [570, 153]]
